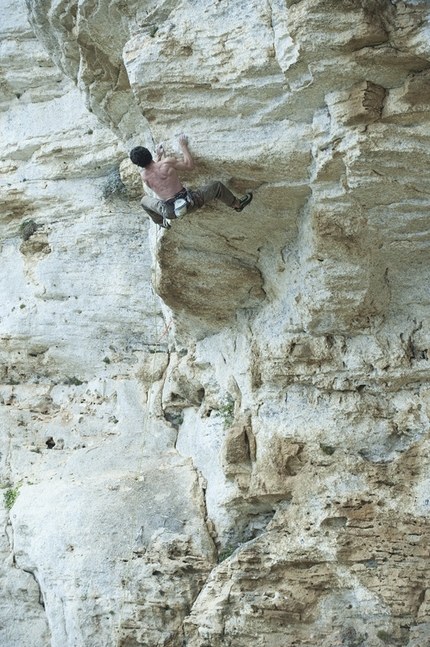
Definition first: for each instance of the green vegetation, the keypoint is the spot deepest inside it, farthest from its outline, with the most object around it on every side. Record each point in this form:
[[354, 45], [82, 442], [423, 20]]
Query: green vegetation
[[10, 496], [106, 360], [388, 639], [327, 449], [114, 186], [226, 412], [153, 31], [74, 381], [175, 419], [226, 552], [384, 636], [27, 228]]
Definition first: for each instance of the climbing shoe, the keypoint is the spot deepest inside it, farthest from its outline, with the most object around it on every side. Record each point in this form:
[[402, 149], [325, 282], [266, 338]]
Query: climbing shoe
[[243, 202]]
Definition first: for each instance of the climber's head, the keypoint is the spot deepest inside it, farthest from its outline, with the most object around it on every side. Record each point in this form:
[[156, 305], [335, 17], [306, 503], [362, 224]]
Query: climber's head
[[140, 156]]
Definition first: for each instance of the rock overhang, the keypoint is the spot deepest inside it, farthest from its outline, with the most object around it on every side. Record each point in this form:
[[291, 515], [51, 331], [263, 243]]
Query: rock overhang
[[261, 81]]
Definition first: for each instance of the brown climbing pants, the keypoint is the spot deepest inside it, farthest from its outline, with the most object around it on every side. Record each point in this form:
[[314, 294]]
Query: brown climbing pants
[[214, 191]]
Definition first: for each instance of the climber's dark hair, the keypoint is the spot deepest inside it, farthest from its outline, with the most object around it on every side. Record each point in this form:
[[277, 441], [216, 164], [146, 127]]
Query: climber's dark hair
[[140, 156]]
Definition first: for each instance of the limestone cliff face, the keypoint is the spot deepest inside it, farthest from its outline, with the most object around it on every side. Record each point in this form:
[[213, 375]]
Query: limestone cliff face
[[216, 435]]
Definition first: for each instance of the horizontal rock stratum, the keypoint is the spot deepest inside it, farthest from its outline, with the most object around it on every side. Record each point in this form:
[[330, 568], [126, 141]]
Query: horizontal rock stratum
[[215, 435]]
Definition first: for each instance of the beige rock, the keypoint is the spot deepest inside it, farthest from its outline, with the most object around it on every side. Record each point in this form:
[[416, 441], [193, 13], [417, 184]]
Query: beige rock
[[361, 105], [411, 102], [131, 178], [273, 406]]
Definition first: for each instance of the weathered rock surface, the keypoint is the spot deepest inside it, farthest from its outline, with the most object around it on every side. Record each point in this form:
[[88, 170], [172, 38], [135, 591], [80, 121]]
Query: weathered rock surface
[[246, 460]]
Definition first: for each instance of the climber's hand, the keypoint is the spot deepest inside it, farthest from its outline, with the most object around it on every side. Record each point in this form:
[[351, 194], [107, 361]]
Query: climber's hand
[[183, 141], [159, 150]]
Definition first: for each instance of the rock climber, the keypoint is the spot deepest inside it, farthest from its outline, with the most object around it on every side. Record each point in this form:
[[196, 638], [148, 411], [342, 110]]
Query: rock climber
[[173, 198]]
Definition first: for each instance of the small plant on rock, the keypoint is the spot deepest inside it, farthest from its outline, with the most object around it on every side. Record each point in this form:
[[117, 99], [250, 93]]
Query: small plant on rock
[[73, 381], [226, 412], [27, 228], [384, 636], [226, 553], [114, 186], [327, 449], [10, 496]]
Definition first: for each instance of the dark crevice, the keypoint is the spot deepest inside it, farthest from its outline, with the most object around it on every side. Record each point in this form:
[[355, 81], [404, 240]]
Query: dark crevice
[[29, 572]]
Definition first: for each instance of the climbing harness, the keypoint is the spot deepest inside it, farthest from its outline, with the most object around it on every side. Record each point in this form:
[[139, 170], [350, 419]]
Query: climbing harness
[[178, 205]]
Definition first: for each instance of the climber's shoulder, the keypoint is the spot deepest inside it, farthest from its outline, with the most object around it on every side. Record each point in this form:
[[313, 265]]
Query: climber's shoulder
[[169, 161]]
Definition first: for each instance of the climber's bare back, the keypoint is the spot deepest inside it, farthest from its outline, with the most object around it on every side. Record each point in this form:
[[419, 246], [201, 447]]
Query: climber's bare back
[[162, 178]]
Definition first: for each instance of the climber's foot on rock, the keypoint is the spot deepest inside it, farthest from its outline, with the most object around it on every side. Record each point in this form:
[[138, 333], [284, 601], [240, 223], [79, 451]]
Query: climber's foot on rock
[[243, 202]]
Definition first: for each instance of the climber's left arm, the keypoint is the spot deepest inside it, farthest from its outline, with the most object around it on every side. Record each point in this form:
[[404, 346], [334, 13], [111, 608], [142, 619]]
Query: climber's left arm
[[187, 164]]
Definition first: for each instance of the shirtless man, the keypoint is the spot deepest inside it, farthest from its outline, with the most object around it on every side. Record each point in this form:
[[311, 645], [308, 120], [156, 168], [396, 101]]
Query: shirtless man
[[161, 176]]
